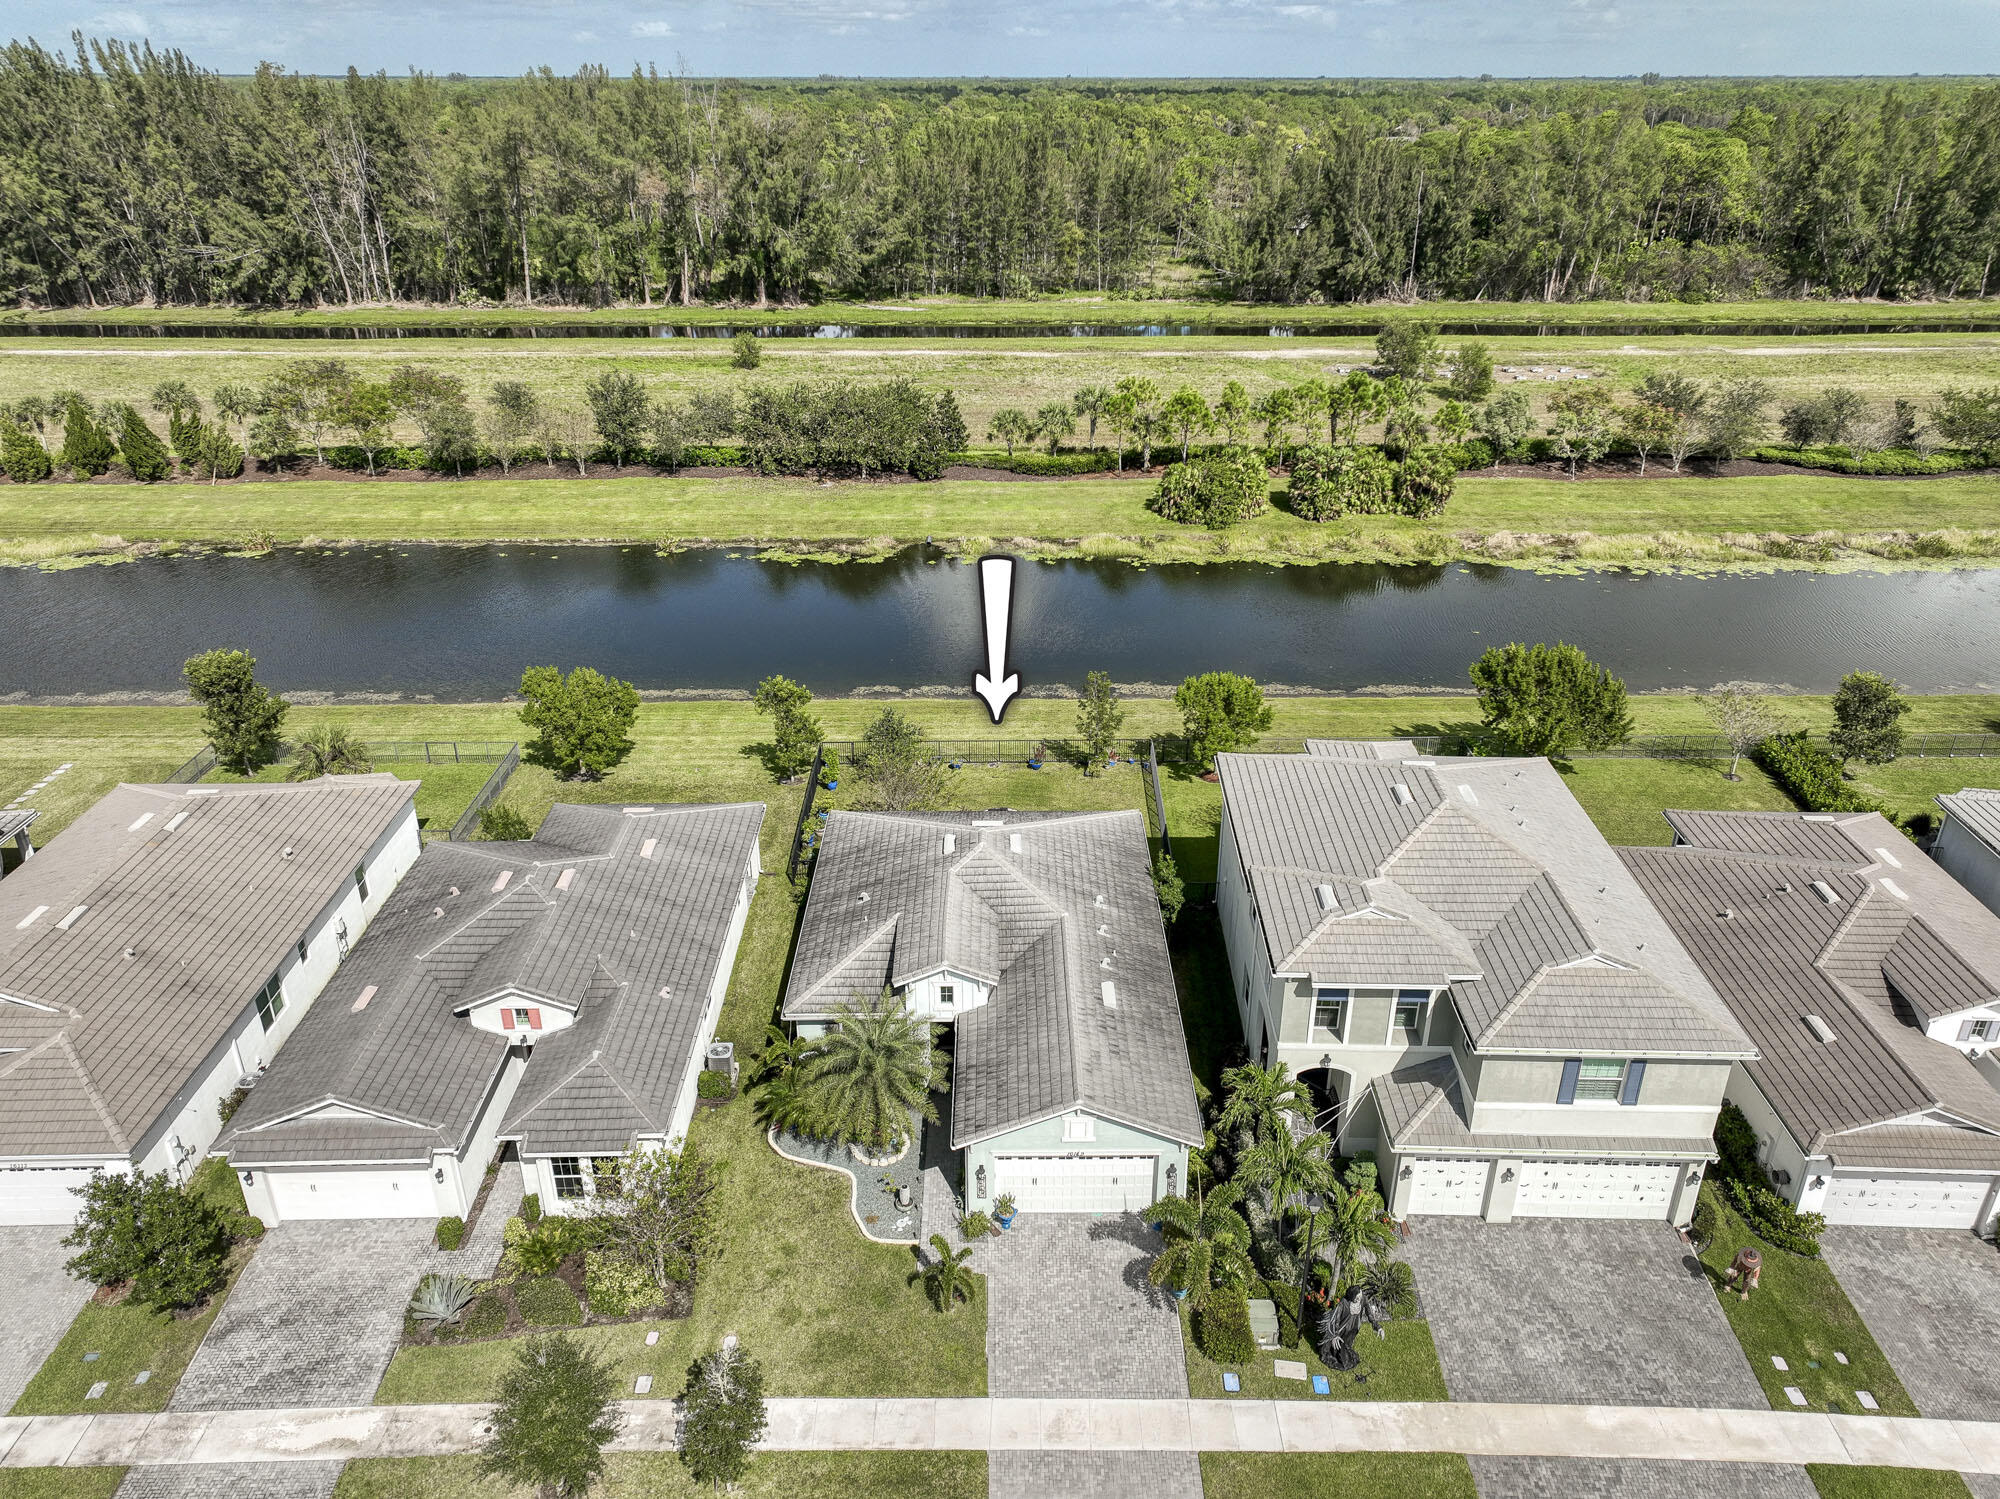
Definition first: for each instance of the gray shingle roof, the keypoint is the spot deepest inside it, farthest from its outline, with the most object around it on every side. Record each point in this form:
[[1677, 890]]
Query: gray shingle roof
[[1978, 810], [12, 823], [1044, 1042], [1423, 1110], [1482, 873], [1871, 965], [647, 909], [183, 925]]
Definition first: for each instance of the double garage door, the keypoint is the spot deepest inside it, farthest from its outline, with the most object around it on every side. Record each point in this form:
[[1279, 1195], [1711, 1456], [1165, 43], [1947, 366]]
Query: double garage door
[[1078, 1184], [41, 1194], [1547, 1189], [352, 1194], [1890, 1201]]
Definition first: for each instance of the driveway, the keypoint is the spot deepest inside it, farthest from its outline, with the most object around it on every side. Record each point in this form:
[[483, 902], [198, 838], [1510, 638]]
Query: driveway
[[1580, 1478], [313, 1319], [1932, 1299], [42, 1301], [1576, 1312]]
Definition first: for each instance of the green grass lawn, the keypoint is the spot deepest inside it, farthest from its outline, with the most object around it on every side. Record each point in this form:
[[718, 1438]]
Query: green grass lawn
[[1319, 1475], [659, 1475], [1800, 1313], [1840, 1482], [826, 1311], [131, 1338], [1402, 1365], [60, 1483]]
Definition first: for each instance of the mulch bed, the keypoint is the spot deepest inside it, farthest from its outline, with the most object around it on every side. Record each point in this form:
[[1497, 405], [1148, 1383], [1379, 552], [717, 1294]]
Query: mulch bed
[[678, 1304]]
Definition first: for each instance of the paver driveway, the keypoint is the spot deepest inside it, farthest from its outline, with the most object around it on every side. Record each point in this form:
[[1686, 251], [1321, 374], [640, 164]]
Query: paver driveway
[[1575, 1312], [1578, 1478], [38, 1305], [312, 1320], [1932, 1299]]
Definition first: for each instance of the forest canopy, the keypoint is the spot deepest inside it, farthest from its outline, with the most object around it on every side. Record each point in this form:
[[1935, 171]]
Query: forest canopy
[[134, 175]]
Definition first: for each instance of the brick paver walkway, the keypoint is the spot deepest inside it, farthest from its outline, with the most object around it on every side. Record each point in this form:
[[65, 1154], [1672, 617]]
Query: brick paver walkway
[[1932, 1299], [1582, 1478]]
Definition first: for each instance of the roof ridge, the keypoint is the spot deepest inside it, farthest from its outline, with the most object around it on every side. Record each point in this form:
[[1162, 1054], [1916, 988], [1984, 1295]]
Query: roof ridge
[[1424, 823], [499, 899], [118, 1136], [1507, 1010], [1429, 1106], [875, 935]]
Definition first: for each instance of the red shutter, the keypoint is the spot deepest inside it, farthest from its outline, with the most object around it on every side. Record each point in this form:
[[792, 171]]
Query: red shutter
[[506, 1018], [534, 1020]]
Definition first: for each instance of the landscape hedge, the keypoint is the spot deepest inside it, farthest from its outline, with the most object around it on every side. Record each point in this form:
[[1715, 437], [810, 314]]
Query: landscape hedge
[[616, 1288], [545, 1301], [450, 1232], [1893, 461], [1811, 775], [1222, 1329]]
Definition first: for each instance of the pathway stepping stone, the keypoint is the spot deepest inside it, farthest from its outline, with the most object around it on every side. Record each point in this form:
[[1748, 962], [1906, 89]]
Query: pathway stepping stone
[[91, 1358], [97, 1390], [1794, 1394], [652, 1338], [643, 1385], [1840, 1358], [1286, 1368], [1867, 1400], [142, 1376], [1779, 1364]]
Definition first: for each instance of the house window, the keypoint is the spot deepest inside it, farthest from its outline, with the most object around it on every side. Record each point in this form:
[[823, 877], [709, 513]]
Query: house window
[[604, 1179], [947, 996], [1408, 1024], [270, 1002], [1079, 1127], [1601, 1082], [1329, 1015], [569, 1175], [302, 949], [1984, 1030], [361, 880]]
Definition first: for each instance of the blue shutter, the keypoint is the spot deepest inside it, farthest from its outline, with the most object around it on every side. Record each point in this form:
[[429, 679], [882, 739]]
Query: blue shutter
[[1635, 1074], [1567, 1092]]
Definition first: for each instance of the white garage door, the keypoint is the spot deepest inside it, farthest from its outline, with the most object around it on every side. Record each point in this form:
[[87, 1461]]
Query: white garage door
[[353, 1194], [1078, 1184], [40, 1194], [1447, 1187], [1595, 1189], [1907, 1201]]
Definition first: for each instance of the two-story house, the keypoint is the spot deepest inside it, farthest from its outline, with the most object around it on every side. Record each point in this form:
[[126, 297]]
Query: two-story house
[[1449, 952]]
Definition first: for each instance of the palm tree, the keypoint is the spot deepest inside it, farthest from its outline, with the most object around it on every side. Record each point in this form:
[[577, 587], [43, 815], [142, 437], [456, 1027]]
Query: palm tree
[[1089, 403], [780, 1053], [1288, 1167], [946, 1279], [328, 751], [1260, 1097], [1208, 1244], [784, 1105], [1391, 1285], [868, 1074], [1349, 1225]]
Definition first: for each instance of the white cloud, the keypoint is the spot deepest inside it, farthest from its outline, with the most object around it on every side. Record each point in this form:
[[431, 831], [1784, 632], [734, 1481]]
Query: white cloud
[[1027, 31], [652, 28], [120, 23], [583, 36]]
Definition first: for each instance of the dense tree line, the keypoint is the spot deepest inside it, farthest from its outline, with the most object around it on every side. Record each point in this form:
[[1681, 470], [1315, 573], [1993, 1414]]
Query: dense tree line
[[135, 175]]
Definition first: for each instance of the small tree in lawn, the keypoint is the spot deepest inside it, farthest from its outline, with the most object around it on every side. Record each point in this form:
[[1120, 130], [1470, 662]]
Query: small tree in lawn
[[664, 1216], [557, 1410], [1276, 409], [1867, 719], [722, 1415], [1647, 428], [946, 1278], [1120, 413], [746, 353], [1549, 699], [1743, 718], [1469, 372], [1409, 350], [243, 718], [169, 1241], [1686, 406], [1098, 719], [583, 721], [1167, 886], [87, 449], [1186, 413], [1582, 423], [512, 413], [1144, 397], [795, 733], [1055, 422], [1220, 711], [1736, 421], [22, 455], [328, 750], [621, 412], [1233, 413], [897, 767], [1010, 426], [364, 411], [1505, 422], [1090, 403], [236, 403]]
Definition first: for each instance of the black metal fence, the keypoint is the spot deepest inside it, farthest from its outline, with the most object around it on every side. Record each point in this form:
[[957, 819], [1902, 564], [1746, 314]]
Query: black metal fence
[[805, 811], [487, 795], [1156, 803], [193, 770]]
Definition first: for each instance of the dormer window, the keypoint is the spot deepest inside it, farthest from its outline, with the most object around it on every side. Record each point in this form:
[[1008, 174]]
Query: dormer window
[[514, 1018], [947, 996]]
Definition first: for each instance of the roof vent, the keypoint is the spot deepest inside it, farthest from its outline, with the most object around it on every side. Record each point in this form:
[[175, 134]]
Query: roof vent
[[564, 879], [863, 900], [1890, 859], [1818, 817], [666, 991], [144, 818], [454, 889], [1894, 889], [31, 918], [638, 809], [501, 883], [205, 791], [289, 851], [1466, 792], [361, 1000], [1099, 902], [1725, 914], [131, 953], [1785, 888], [1825, 892], [1325, 894], [1423, 764], [1820, 1029], [70, 920], [1013, 843], [1103, 930], [176, 820], [646, 848], [436, 912], [1403, 796], [951, 843], [1110, 991]]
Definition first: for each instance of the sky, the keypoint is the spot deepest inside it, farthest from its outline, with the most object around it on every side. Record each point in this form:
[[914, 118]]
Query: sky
[[1054, 38]]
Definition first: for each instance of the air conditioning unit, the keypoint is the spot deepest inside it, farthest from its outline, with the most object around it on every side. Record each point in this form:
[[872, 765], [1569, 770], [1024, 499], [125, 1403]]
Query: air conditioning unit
[[722, 1058], [1782, 1178]]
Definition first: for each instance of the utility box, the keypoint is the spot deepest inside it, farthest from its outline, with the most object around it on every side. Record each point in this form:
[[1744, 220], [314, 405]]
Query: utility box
[[722, 1058]]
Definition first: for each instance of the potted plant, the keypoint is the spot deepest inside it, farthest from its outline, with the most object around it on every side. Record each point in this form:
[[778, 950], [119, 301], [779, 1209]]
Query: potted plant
[[829, 769], [1003, 1209], [1035, 758], [975, 1225]]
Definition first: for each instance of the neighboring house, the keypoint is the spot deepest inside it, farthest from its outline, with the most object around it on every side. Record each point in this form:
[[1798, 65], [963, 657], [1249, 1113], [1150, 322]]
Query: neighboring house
[[1869, 979], [1451, 955], [14, 829], [559, 993], [1036, 936], [155, 956], [1968, 841]]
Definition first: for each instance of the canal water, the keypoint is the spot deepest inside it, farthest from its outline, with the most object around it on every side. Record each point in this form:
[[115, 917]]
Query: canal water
[[461, 622]]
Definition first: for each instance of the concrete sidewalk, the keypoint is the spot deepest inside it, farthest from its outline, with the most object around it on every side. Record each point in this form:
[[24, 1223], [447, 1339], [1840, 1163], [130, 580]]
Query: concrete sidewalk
[[1663, 1434]]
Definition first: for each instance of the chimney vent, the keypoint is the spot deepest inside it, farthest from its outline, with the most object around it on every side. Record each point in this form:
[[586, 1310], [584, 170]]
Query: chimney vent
[[1825, 892], [1325, 894], [1403, 796], [1013, 843], [1820, 1028], [1110, 991], [951, 843]]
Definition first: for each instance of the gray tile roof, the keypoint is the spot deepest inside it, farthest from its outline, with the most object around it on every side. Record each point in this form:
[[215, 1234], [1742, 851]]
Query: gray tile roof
[[183, 925], [1044, 1042], [1484, 874], [1423, 1111], [13, 823], [1978, 810], [647, 909], [1363, 749], [1872, 965], [1917, 1146]]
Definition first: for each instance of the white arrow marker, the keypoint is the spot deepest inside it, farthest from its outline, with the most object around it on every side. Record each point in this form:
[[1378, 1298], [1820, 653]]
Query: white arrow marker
[[996, 587]]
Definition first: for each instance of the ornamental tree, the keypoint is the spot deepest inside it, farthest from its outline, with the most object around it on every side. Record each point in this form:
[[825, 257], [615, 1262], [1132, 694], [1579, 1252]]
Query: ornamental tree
[[87, 449], [165, 1238], [556, 1412], [1327, 482], [620, 410], [722, 1415], [583, 721], [242, 716], [1098, 719], [795, 733], [1220, 711], [145, 455], [1867, 718], [1548, 699]]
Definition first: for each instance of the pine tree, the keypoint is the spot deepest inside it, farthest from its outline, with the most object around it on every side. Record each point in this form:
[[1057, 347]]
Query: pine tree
[[145, 455], [22, 456], [87, 448], [242, 716]]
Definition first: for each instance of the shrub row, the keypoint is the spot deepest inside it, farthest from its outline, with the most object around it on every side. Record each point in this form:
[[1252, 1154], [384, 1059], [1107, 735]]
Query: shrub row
[[1882, 461], [1775, 1220], [1810, 774], [1222, 1329]]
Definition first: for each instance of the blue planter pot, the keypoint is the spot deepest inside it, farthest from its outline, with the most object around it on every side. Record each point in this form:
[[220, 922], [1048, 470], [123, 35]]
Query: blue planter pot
[[1180, 1296], [829, 785], [1034, 765], [1006, 1222]]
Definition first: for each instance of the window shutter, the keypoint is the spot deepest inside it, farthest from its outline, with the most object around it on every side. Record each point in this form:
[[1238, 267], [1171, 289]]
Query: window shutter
[[1965, 1030], [506, 1018], [1635, 1074], [534, 1020], [1567, 1092]]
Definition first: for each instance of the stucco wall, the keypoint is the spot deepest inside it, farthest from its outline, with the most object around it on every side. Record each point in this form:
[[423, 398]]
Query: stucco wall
[[1969, 861], [1046, 1138]]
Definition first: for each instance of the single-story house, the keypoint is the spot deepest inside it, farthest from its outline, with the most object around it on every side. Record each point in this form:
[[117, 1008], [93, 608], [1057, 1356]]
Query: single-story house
[[1037, 938], [559, 993], [1968, 841], [156, 955], [1448, 952], [1869, 979]]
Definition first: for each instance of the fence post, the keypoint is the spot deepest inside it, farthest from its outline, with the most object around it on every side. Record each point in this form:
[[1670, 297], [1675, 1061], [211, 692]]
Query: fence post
[[805, 809]]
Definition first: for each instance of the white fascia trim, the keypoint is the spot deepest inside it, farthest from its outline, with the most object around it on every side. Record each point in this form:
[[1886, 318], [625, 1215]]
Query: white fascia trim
[[320, 1104], [514, 996], [30, 1004], [1628, 1053]]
